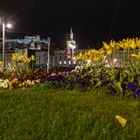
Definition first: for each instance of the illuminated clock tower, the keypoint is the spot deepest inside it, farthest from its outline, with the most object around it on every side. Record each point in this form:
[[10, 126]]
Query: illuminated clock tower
[[71, 45]]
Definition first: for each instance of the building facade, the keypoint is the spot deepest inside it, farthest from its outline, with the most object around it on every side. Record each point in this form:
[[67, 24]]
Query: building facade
[[34, 45], [28, 45]]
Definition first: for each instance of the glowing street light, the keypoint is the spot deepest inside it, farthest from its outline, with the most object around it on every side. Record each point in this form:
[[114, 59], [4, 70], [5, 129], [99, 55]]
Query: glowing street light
[[8, 25]]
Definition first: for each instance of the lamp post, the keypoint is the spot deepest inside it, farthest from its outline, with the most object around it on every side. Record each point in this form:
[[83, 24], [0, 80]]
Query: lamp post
[[3, 44], [8, 25], [48, 55]]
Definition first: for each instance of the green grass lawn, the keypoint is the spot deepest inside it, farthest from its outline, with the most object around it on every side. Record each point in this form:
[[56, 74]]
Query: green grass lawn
[[49, 114]]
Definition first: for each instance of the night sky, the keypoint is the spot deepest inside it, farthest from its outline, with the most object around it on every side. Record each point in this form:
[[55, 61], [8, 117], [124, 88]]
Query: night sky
[[93, 21]]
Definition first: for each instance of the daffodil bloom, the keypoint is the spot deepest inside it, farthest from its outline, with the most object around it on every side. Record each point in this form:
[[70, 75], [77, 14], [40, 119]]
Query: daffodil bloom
[[28, 60], [101, 51], [79, 56], [53, 74], [109, 52], [32, 57], [133, 44], [121, 120], [15, 56], [134, 55], [1, 63], [96, 59], [106, 46], [112, 44]]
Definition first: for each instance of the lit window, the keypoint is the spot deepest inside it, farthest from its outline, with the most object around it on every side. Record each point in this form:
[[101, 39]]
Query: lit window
[[69, 62], [64, 62]]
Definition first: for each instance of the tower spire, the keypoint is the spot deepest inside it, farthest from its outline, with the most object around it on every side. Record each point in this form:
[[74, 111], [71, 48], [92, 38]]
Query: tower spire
[[71, 34]]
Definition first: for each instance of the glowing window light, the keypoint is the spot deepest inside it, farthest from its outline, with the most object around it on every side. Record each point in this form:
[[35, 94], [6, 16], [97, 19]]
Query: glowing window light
[[65, 62]]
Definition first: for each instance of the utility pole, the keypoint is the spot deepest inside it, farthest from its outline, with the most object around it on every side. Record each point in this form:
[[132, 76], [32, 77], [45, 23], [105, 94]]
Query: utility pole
[[49, 40]]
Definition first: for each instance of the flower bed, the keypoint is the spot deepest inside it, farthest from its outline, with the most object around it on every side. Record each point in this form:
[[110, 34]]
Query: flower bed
[[124, 80]]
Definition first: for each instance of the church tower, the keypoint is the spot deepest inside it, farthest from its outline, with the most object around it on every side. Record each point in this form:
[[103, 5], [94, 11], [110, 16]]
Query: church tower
[[71, 45]]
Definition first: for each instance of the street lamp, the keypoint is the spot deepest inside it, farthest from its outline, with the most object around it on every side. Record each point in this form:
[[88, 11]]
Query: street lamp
[[8, 25], [49, 40]]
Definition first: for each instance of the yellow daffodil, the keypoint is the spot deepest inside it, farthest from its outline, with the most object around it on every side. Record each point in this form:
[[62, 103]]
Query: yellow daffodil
[[101, 51], [53, 74], [15, 56], [79, 56], [106, 46], [1, 63], [134, 55], [121, 120], [32, 57], [109, 52], [112, 44], [133, 44], [96, 59]]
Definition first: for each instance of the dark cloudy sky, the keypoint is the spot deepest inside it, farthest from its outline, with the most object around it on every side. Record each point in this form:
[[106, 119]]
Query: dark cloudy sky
[[92, 21]]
